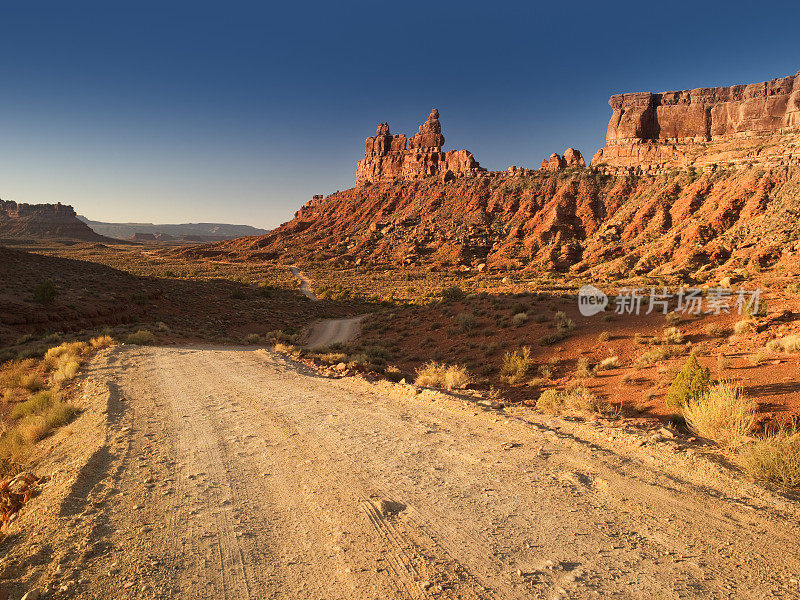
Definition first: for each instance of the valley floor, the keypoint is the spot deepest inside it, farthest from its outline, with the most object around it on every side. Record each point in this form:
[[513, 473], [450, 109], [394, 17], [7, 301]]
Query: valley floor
[[233, 473]]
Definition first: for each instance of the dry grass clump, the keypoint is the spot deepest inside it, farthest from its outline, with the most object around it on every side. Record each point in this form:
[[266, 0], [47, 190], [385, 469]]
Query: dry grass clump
[[21, 374], [577, 400], [449, 377], [773, 458], [604, 336], [723, 414], [101, 341], [35, 419], [789, 344], [141, 338], [517, 364], [657, 354], [584, 370], [673, 335], [56, 356], [612, 362], [65, 360], [744, 327], [284, 348]]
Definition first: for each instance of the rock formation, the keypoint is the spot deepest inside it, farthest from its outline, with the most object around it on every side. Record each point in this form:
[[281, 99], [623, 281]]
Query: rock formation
[[388, 157], [572, 158], [43, 221], [755, 123]]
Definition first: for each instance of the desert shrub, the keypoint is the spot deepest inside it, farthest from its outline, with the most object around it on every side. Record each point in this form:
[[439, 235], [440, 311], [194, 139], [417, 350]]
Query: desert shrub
[[715, 330], [790, 343], [689, 384], [101, 341], [545, 372], [584, 370], [517, 364], [757, 358], [773, 458], [141, 338], [466, 322], [793, 288], [612, 362], [452, 294], [723, 414], [253, 338], [673, 319], [673, 335], [563, 322], [604, 336], [161, 326], [744, 327], [45, 292], [657, 354], [490, 349], [519, 319], [577, 400], [723, 362], [434, 374]]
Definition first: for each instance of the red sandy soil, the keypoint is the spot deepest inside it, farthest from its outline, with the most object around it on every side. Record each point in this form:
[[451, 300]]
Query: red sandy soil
[[408, 335]]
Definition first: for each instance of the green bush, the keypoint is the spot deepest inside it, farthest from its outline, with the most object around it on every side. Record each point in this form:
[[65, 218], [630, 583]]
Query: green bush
[[689, 384], [45, 292], [453, 293]]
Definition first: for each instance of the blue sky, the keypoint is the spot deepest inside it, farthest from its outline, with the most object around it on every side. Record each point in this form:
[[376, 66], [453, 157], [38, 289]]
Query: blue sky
[[240, 112]]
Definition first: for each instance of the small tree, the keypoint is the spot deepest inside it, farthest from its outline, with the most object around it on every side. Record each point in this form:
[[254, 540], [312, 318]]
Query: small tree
[[692, 382]]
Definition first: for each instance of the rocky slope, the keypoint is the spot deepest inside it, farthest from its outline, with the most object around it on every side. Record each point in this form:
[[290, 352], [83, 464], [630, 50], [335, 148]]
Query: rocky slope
[[576, 219], [38, 221]]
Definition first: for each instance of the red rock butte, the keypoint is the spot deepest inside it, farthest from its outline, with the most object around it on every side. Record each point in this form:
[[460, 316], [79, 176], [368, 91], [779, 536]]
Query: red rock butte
[[758, 123], [388, 157]]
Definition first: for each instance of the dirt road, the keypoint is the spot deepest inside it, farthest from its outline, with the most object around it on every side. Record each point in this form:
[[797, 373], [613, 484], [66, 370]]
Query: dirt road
[[232, 473], [305, 284], [332, 331]]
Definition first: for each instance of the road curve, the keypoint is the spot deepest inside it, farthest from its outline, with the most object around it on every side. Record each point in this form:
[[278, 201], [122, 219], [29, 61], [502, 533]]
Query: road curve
[[237, 474]]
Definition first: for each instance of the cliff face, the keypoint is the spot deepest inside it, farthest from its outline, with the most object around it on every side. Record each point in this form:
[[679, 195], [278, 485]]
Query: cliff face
[[388, 157], [43, 221], [754, 123], [579, 221]]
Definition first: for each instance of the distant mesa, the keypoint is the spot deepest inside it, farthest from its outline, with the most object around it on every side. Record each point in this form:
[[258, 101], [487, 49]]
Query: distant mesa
[[757, 123], [185, 232], [389, 157], [43, 221]]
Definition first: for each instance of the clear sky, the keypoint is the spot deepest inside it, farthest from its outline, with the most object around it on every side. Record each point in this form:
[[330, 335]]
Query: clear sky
[[240, 112]]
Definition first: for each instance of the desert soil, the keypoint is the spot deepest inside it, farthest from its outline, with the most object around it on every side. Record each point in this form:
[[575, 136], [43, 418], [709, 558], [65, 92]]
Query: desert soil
[[232, 473]]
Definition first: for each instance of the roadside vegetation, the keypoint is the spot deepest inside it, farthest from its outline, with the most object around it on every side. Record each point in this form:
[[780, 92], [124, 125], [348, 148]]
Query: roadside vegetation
[[35, 399]]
